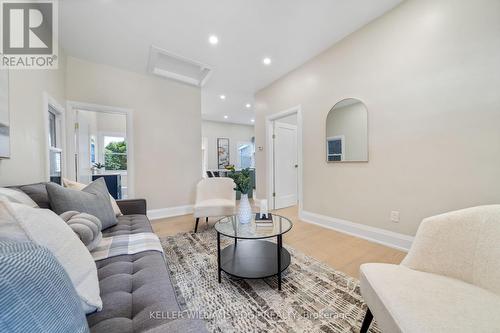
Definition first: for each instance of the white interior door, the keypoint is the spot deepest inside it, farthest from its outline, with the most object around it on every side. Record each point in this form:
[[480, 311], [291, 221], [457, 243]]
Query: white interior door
[[285, 165]]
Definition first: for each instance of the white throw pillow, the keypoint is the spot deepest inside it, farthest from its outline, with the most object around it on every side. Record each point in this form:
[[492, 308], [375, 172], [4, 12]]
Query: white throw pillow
[[19, 222], [79, 186], [17, 197]]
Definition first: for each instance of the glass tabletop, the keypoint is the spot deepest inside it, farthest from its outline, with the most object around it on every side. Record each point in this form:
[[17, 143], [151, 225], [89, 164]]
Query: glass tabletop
[[230, 226]]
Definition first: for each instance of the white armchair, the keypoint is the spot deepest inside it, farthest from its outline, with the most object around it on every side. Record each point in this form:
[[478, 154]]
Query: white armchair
[[214, 197], [448, 282]]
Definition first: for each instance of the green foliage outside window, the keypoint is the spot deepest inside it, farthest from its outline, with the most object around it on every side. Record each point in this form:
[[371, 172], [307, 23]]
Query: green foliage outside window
[[115, 156]]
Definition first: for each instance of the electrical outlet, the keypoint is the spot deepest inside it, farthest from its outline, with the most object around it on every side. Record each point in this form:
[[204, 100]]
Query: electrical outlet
[[395, 216]]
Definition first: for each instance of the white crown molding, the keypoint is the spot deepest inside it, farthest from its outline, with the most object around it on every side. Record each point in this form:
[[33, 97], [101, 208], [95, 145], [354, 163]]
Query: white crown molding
[[388, 238], [162, 213]]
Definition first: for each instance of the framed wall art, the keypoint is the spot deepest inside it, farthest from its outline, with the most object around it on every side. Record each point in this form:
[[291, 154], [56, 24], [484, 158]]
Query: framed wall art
[[222, 152]]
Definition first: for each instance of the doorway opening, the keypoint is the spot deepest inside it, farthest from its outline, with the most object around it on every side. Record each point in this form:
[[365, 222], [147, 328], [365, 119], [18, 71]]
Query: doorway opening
[[284, 133], [102, 147], [246, 154]]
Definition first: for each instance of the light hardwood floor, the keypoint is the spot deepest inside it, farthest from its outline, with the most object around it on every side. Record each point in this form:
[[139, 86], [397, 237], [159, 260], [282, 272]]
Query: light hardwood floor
[[342, 252]]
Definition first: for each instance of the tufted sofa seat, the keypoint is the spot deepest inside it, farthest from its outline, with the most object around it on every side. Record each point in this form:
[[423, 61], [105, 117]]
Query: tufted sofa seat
[[133, 287], [136, 290], [129, 224]]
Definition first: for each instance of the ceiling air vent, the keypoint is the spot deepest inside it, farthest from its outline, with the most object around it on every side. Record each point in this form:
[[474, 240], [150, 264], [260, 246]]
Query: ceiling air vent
[[172, 66]]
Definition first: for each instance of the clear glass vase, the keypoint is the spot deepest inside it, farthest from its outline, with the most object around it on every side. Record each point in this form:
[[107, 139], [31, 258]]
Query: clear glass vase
[[245, 210]]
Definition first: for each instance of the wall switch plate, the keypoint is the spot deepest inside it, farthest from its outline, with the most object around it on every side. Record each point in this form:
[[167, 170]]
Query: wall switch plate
[[395, 216]]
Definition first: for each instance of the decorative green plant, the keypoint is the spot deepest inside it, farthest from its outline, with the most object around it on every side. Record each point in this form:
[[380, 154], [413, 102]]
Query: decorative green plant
[[98, 165], [242, 180]]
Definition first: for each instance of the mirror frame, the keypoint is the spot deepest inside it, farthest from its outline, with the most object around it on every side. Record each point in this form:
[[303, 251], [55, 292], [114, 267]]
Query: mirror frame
[[367, 134]]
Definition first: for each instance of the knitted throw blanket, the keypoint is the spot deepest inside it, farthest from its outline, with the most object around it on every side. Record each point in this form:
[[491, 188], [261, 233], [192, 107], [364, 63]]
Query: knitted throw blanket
[[126, 244]]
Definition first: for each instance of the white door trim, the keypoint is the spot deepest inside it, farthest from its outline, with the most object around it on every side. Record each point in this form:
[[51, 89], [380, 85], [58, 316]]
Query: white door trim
[[269, 144], [72, 106], [285, 125]]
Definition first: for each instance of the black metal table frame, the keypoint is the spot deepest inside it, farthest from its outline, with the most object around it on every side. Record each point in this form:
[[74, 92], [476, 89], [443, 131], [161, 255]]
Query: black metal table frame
[[279, 248]]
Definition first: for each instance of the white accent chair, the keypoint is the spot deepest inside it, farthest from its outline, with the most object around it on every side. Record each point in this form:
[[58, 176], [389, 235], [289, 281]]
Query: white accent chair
[[214, 197], [448, 282]]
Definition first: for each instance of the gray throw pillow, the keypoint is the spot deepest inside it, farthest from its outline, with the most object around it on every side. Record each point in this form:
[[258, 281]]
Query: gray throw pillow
[[93, 200]]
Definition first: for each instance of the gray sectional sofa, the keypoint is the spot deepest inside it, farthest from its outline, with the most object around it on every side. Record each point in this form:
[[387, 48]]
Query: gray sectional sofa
[[136, 290]]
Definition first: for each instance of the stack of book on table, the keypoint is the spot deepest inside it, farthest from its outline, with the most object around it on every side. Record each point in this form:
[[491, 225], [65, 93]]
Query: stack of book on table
[[264, 221]]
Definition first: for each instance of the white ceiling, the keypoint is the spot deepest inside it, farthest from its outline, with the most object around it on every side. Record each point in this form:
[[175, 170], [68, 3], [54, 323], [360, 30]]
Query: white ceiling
[[120, 33]]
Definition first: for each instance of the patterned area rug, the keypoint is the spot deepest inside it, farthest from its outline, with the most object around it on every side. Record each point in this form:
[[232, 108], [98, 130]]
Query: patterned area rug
[[314, 297]]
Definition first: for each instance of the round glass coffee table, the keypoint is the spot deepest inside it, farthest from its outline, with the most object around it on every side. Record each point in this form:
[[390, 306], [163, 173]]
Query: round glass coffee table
[[254, 257]]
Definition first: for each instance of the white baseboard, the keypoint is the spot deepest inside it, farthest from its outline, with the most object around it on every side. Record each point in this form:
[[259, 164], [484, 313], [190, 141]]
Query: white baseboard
[[156, 214], [377, 235]]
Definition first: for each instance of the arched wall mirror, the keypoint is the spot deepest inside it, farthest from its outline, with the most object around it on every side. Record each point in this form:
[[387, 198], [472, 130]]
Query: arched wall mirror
[[347, 132]]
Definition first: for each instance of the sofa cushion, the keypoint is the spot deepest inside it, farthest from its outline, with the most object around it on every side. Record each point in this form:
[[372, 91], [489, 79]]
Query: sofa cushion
[[17, 196], [37, 192], [406, 300], [36, 292], [19, 222], [214, 207], [462, 244], [129, 224], [79, 186], [87, 227], [93, 199], [132, 286]]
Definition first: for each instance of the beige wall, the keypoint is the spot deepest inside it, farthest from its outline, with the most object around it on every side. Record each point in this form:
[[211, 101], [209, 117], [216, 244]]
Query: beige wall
[[428, 72], [109, 122], [234, 132], [28, 162], [351, 123], [167, 127]]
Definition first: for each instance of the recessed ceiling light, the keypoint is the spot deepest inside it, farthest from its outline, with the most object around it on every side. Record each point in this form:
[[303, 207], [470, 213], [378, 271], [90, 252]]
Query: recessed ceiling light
[[253, 120], [266, 61], [225, 117], [248, 106], [222, 96], [214, 40]]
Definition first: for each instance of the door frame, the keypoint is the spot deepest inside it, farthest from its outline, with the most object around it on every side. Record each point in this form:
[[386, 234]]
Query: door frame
[[270, 153], [72, 106]]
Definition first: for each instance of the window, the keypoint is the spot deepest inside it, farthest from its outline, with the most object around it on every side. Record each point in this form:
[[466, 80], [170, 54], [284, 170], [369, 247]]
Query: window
[[55, 151], [115, 153], [92, 150], [245, 155], [52, 128], [335, 148]]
